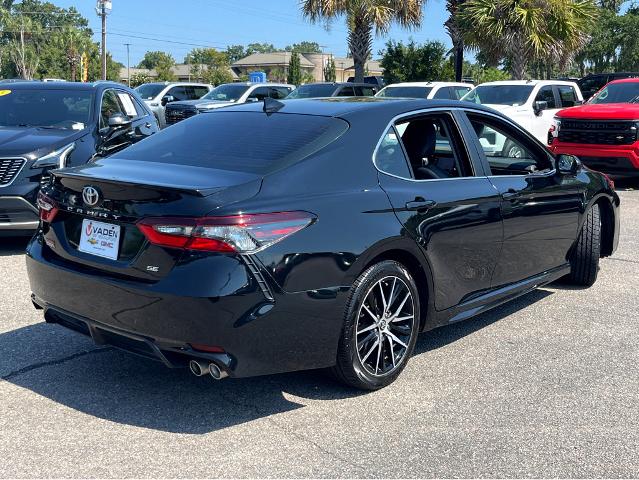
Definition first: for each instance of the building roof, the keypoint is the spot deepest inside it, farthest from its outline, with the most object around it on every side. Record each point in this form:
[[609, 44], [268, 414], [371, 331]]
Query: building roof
[[271, 59]]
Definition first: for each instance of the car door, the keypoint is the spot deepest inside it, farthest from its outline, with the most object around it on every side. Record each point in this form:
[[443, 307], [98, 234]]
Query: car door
[[543, 119], [143, 123], [540, 207], [444, 200]]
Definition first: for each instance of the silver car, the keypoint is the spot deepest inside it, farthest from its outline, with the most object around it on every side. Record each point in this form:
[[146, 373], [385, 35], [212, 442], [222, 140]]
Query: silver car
[[156, 95]]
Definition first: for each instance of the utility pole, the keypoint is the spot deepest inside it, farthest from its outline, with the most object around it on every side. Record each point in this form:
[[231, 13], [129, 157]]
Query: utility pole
[[128, 65], [103, 8]]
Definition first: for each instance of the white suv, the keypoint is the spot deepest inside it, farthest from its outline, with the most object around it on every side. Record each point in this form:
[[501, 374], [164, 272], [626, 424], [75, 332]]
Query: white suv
[[156, 95], [532, 104], [429, 90]]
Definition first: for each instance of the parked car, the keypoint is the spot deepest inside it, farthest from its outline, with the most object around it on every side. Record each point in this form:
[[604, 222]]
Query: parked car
[[531, 103], [376, 80], [158, 95], [591, 84], [44, 126], [333, 89], [197, 247], [603, 132], [226, 95], [430, 90]]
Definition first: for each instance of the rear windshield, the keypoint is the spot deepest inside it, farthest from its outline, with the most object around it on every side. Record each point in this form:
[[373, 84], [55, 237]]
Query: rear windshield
[[52, 108], [249, 142], [405, 92], [312, 91]]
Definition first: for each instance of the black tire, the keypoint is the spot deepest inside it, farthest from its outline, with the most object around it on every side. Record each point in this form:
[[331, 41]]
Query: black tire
[[584, 260], [512, 150], [398, 283]]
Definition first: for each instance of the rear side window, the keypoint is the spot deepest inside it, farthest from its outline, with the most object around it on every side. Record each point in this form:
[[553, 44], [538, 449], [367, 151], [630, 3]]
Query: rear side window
[[390, 158], [200, 91], [249, 142]]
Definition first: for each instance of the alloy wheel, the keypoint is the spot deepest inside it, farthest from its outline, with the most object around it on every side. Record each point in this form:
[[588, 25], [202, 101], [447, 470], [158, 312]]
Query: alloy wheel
[[384, 326]]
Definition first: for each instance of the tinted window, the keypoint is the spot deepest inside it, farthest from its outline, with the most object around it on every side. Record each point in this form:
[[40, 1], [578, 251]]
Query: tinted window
[[625, 92], [442, 94], [227, 92], [200, 91], [110, 106], [149, 91], [346, 92], [313, 91], [547, 95], [179, 93], [460, 92], [390, 158], [508, 151], [405, 92], [514, 95], [368, 91], [279, 92], [568, 95], [249, 142], [434, 147], [260, 93], [56, 108]]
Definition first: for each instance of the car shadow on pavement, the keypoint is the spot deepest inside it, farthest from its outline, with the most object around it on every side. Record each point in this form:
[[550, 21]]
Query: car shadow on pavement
[[13, 245], [120, 387]]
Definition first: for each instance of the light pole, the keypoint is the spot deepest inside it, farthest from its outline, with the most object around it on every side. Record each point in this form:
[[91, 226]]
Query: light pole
[[128, 65], [103, 8]]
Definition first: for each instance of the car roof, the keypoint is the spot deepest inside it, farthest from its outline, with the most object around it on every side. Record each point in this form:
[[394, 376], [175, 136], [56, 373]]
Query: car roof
[[626, 80], [170, 84], [340, 84], [30, 85], [345, 106], [429, 84], [528, 82]]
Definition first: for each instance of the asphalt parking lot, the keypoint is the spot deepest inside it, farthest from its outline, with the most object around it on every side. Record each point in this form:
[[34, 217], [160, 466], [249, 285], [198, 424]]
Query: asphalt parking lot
[[545, 386]]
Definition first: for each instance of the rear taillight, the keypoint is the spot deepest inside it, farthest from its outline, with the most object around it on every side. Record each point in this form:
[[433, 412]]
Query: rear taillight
[[237, 233], [47, 206]]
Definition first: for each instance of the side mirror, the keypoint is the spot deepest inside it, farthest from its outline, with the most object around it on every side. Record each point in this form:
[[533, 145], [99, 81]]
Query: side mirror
[[540, 106], [579, 102], [568, 164], [118, 121], [251, 100], [167, 99]]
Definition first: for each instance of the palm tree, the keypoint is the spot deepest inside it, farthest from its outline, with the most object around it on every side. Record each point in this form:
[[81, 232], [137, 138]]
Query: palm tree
[[455, 33], [521, 31], [72, 41], [362, 17]]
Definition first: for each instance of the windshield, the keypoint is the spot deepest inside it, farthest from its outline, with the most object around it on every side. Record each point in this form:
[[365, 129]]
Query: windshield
[[63, 109], [313, 91], [149, 91], [218, 140], [405, 92], [228, 93], [626, 92], [514, 95]]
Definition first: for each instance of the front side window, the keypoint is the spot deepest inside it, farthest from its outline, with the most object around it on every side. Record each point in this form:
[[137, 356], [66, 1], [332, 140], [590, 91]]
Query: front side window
[[547, 95], [260, 93], [568, 96], [53, 108], [179, 93], [390, 157], [200, 91], [346, 92], [514, 95], [313, 90], [110, 106], [279, 93], [508, 151], [405, 92]]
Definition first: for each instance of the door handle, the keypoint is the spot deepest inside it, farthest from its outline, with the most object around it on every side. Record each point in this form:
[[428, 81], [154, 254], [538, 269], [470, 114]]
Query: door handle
[[420, 205], [148, 125], [511, 194]]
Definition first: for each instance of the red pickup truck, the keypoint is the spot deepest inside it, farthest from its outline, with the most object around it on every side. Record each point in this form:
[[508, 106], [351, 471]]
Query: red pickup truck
[[603, 133]]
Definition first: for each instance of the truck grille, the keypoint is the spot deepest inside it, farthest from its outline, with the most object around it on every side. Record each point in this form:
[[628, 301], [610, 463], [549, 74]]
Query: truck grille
[[177, 114], [592, 132], [9, 169]]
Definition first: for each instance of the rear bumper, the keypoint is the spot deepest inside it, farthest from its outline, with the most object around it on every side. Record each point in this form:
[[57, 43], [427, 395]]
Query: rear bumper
[[613, 160], [165, 318]]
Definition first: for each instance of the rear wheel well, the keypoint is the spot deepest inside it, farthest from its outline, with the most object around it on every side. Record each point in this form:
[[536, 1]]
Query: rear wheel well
[[607, 226], [413, 265]]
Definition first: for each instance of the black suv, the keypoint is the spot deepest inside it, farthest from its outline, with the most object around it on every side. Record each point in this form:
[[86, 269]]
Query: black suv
[[44, 126], [333, 89]]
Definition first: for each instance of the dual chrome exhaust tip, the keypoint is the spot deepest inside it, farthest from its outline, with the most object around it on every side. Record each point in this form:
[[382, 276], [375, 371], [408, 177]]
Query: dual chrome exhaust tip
[[200, 368]]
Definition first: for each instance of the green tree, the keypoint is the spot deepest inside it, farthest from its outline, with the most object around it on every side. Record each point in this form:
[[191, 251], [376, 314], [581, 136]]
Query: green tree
[[235, 53], [138, 79], [414, 62], [363, 17], [260, 48], [209, 65], [72, 42], [329, 71], [152, 59], [294, 76], [521, 31], [304, 47], [455, 33]]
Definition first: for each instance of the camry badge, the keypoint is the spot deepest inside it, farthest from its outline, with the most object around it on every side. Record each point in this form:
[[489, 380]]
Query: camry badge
[[91, 196]]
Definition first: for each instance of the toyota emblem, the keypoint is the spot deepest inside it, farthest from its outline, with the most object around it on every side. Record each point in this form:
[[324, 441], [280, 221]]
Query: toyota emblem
[[91, 196]]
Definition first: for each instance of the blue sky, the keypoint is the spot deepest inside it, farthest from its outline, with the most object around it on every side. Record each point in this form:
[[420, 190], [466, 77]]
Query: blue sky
[[170, 24]]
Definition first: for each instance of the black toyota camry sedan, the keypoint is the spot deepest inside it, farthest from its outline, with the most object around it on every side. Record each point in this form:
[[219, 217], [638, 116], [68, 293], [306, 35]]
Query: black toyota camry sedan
[[307, 234]]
